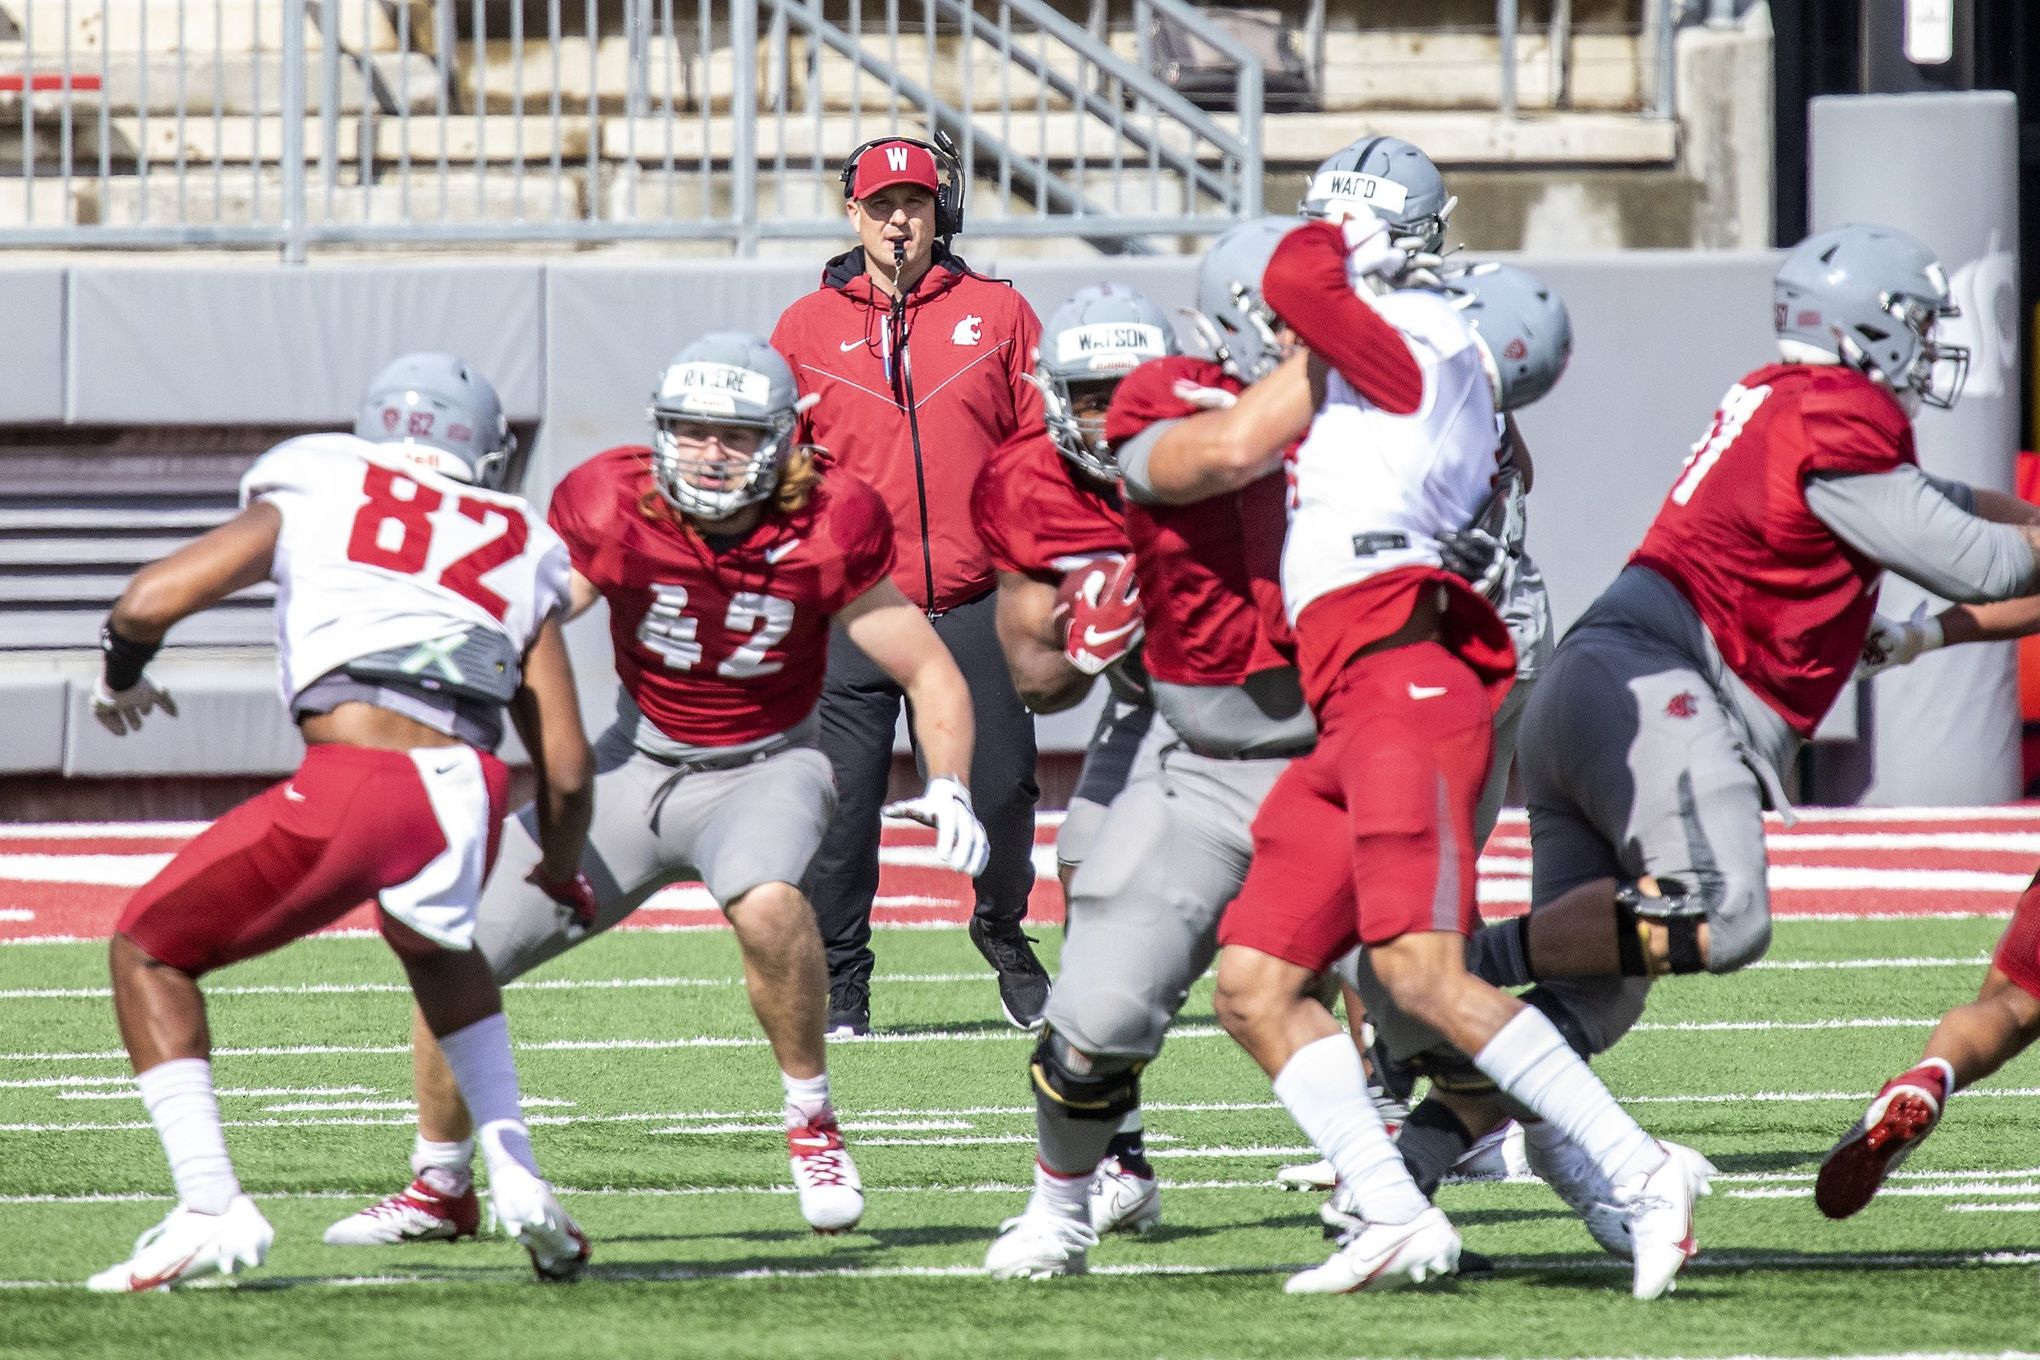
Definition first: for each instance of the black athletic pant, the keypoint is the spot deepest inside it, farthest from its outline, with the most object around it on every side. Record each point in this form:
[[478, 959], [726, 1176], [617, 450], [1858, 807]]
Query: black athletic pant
[[860, 708]]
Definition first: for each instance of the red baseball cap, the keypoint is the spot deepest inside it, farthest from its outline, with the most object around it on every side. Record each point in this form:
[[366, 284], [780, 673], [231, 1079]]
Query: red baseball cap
[[890, 163]]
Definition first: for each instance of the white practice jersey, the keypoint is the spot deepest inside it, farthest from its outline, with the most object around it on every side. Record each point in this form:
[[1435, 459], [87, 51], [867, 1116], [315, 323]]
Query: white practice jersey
[[377, 552], [1374, 490]]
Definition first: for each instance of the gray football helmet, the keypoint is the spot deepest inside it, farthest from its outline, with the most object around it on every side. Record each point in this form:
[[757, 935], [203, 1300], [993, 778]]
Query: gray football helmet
[[1524, 329], [1871, 296], [1232, 315], [444, 414], [728, 382], [1101, 334], [1394, 180]]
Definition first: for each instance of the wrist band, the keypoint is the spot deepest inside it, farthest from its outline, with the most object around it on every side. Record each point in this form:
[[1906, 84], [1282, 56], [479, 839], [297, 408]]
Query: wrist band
[[124, 658]]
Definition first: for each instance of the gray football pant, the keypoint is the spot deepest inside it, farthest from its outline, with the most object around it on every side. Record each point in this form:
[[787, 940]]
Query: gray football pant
[[1632, 766], [655, 825], [1126, 744], [1144, 907]]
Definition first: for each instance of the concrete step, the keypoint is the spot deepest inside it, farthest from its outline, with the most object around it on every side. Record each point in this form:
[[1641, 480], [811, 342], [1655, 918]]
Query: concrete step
[[247, 199], [241, 82], [166, 26]]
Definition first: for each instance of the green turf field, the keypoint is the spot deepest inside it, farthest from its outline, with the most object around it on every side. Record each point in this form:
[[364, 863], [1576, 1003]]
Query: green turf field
[[657, 1112]]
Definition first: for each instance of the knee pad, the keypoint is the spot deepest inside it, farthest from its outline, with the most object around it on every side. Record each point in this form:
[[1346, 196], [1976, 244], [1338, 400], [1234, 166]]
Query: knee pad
[[1078, 1086], [1680, 909]]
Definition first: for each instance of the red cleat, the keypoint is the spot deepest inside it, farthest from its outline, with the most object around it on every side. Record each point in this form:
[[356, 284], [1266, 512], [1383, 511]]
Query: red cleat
[[1903, 1114]]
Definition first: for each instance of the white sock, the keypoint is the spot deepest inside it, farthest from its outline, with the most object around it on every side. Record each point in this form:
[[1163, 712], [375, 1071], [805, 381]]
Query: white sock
[[807, 1099], [445, 1167], [186, 1113], [1060, 1196], [480, 1058], [1325, 1091], [1530, 1060]]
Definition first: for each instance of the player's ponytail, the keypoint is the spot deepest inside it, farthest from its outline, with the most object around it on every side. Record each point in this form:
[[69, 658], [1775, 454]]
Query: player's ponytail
[[797, 480]]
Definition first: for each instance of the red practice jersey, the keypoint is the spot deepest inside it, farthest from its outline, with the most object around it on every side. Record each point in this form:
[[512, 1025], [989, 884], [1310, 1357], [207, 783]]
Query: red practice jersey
[[1036, 512], [1210, 573], [1788, 603], [725, 644]]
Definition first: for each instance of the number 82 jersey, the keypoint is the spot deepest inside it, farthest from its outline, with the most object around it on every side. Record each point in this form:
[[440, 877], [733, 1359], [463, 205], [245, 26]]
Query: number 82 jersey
[[719, 643], [377, 552]]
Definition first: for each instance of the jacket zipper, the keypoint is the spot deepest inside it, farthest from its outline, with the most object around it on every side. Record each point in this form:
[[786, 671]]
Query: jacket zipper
[[903, 392]]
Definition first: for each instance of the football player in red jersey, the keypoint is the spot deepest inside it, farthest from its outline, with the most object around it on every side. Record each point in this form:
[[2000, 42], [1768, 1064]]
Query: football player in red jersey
[[1047, 506], [1970, 1043], [1205, 529], [723, 556], [1680, 697], [415, 604]]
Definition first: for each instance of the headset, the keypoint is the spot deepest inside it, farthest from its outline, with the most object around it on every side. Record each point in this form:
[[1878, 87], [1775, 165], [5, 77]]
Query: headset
[[948, 171]]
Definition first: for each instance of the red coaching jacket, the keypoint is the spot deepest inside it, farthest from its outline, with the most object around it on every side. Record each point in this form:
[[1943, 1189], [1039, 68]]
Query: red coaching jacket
[[919, 430]]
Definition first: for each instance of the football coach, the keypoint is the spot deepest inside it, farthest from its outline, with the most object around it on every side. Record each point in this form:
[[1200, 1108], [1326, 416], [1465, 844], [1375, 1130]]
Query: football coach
[[919, 363]]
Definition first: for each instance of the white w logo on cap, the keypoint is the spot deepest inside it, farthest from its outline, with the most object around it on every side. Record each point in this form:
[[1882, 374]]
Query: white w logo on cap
[[896, 157]]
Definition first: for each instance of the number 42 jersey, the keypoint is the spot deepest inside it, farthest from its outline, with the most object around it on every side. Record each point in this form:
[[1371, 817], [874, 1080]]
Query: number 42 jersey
[[377, 552], [723, 641]]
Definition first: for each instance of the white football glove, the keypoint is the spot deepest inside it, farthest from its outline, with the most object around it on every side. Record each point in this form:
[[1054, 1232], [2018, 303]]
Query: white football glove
[[960, 840], [1895, 643], [121, 711], [1371, 252]]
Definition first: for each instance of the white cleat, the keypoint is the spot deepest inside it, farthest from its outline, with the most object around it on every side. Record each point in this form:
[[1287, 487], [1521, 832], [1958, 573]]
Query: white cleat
[[1124, 1201], [417, 1213], [1317, 1175], [1385, 1256], [1660, 1211], [831, 1195], [527, 1211], [1577, 1179], [1039, 1247], [1497, 1156], [187, 1245]]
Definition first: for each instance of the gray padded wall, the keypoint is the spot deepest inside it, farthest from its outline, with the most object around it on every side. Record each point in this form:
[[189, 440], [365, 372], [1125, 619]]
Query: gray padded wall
[[32, 345], [271, 344], [1944, 730], [1660, 336]]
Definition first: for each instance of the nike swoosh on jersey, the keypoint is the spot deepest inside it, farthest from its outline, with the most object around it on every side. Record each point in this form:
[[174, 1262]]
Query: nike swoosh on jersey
[[1426, 691], [1094, 638], [293, 794], [773, 556], [847, 345]]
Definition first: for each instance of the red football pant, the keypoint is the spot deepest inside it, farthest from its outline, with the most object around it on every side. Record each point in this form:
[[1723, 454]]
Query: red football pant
[[2018, 953], [297, 857], [1370, 836]]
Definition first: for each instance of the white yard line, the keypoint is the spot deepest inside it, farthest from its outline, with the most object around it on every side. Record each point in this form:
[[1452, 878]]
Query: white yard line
[[533, 985], [629, 1275]]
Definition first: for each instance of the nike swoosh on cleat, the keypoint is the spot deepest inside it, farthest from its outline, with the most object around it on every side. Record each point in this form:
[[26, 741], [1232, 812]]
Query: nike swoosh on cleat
[[1426, 691], [162, 1278]]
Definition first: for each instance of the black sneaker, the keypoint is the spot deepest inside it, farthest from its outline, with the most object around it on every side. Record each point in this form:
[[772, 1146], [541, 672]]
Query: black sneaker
[[849, 1008], [1023, 982]]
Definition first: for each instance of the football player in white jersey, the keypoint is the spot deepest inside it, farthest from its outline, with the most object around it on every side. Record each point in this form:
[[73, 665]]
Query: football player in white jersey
[[1369, 839], [414, 605]]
